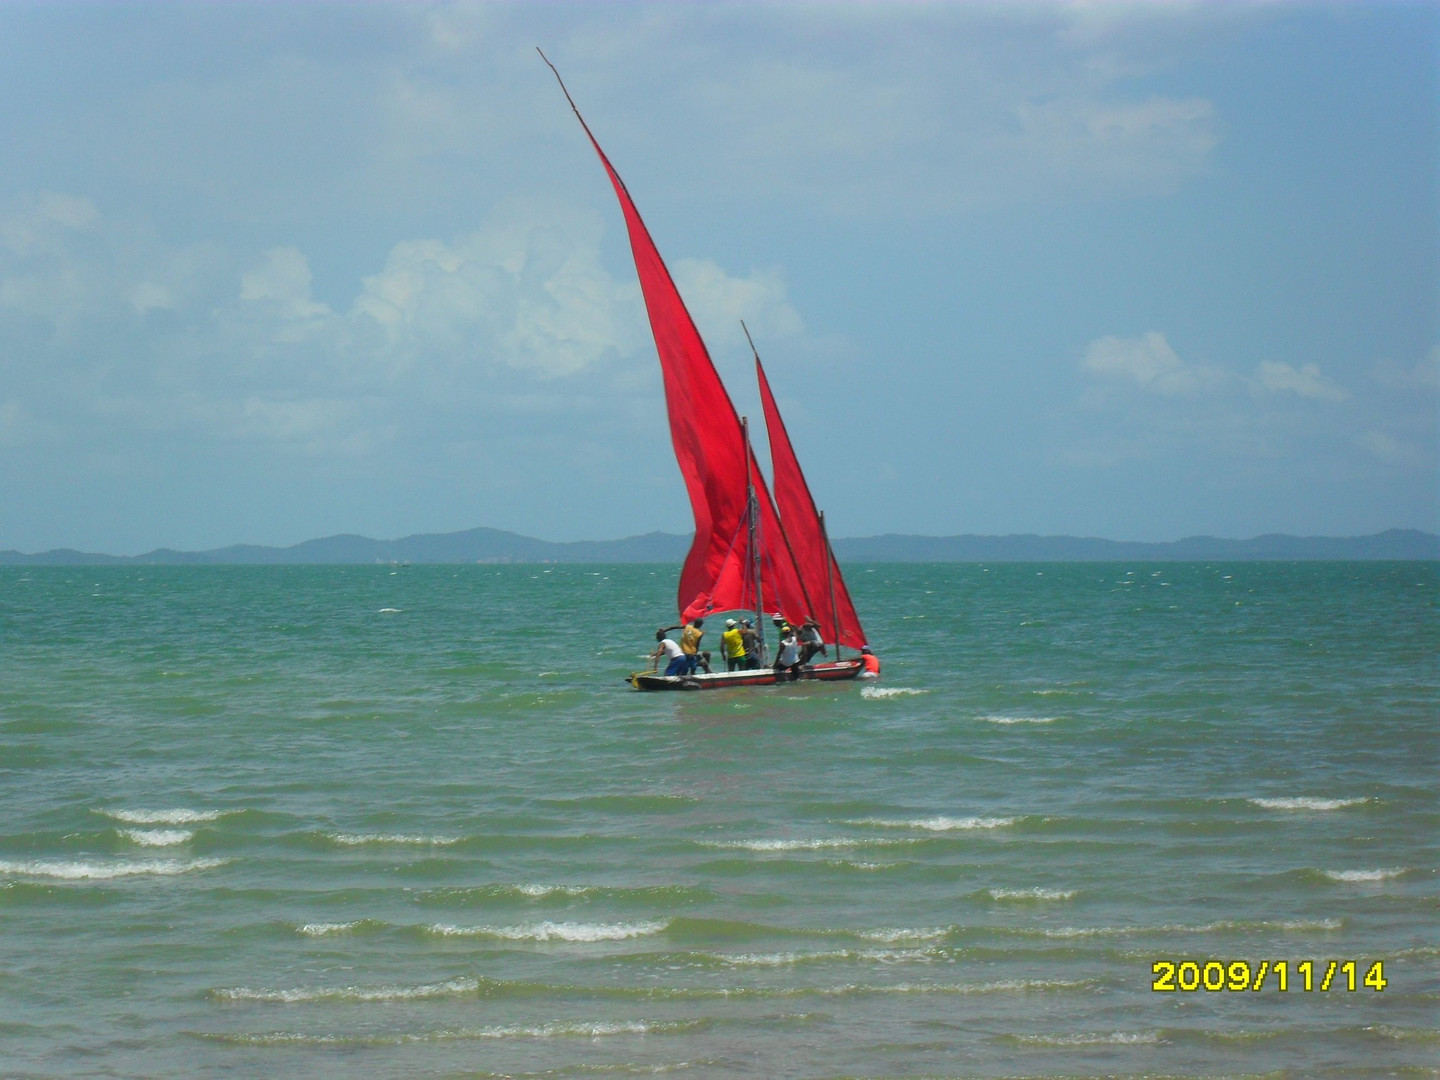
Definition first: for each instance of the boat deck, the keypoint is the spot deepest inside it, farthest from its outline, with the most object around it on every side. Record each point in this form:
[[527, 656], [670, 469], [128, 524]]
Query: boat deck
[[721, 680]]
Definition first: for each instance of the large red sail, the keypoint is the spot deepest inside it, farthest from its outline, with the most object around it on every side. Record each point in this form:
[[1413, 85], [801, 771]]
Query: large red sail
[[709, 446], [819, 572]]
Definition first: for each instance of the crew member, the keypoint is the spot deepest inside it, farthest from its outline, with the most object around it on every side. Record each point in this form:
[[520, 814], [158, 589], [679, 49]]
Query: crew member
[[734, 641], [669, 648], [870, 668]]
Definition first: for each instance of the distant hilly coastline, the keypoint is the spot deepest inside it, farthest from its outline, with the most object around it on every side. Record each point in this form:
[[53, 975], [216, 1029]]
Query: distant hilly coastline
[[497, 546]]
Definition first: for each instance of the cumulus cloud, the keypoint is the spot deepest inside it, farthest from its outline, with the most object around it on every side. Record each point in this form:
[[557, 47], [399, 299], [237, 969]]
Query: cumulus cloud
[[1306, 381], [527, 292], [1147, 361], [719, 301]]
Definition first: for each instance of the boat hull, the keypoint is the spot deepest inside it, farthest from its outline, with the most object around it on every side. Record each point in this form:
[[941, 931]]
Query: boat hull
[[725, 680]]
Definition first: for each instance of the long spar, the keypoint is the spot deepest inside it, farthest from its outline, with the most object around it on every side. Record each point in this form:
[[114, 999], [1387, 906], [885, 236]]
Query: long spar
[[804, 589]]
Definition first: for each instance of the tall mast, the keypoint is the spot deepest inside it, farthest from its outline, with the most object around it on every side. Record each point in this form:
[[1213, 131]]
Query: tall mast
[[830, 580], [752, 514]]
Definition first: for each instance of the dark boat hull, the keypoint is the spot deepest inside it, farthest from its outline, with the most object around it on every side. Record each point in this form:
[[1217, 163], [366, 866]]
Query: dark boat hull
[[724, 680]]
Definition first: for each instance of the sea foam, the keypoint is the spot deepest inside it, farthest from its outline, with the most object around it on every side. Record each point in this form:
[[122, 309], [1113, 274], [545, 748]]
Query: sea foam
[[1036, 893], [358, 839], [555, 931], [78, 870], [1362, 875], [178, 816], [1018, 719], [889, 691], [937, 824], [1305, 803], [157, 837]]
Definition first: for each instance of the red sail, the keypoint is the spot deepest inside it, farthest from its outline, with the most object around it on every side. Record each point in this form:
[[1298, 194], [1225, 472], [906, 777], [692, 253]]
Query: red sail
[[709, 447], [819, 572]]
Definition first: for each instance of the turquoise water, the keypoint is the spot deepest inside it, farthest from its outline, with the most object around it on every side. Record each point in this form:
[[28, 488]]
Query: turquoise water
[[381, 821]]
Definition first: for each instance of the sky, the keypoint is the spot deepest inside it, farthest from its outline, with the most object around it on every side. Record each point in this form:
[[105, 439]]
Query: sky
[[271, 272]]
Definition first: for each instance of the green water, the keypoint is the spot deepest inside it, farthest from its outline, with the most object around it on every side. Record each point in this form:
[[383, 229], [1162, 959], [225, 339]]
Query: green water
[[377, 822]]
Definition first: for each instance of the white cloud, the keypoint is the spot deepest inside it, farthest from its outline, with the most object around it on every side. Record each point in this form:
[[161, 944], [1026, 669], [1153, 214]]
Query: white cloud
[[526, 289], [717, 302], [1148, 361], [283, 279], [1305, 381]]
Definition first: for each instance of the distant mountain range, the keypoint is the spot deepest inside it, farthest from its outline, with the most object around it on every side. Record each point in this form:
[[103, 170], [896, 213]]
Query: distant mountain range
[[497, 546]]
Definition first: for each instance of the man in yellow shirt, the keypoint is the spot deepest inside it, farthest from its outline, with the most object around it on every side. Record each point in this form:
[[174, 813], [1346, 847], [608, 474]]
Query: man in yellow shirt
[[734, 646], [690, 636]]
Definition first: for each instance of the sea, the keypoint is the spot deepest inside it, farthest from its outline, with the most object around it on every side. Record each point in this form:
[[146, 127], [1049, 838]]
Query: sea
[[1129, 820]]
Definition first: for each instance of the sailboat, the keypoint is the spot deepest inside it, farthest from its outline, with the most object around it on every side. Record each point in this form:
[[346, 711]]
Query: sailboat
[[752, 552]]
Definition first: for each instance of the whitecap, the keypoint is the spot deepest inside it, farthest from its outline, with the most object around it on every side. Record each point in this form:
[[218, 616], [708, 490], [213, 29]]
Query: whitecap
[[1305, 803], [937, 824], [164, 817], [823, 844], [891, 935], [104, 871], [889, 691], [320, 929], [389, 611], [1363, 875], [1114, 1038], [555, 931], [1036, 893], [357, 839], [1018, 719], [157, 837], [449, 988]]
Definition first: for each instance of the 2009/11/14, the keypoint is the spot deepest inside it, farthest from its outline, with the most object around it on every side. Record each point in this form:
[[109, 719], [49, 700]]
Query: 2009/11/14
[[1236, 975]]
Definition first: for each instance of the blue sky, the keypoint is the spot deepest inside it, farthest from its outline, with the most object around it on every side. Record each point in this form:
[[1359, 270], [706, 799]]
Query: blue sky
[[270, 272]]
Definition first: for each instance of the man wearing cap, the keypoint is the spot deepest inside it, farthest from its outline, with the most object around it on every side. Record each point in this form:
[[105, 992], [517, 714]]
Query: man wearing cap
[[751, 641], [734, 643]]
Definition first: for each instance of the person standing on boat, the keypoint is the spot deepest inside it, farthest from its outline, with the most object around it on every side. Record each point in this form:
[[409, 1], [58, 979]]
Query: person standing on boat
[[789, 658], [690, 635], [667, 647], [734, 643], [870, 664], [810, 640], [751, 642]]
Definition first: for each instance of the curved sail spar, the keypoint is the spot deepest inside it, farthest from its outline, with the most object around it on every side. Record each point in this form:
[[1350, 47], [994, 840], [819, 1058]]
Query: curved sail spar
[[742, 557]]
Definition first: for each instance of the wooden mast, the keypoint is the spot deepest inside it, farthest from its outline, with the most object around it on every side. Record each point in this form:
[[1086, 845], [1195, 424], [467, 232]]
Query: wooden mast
[[752, 508], [830, 579]]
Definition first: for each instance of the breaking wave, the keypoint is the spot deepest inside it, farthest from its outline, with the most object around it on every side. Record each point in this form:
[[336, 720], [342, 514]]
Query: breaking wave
[[157, 837], [889, 691], [1036, 893], [1363, 875], [104, 871], [937, 824], [179, 816], [554, 931], [1305, 803], [357, 839]]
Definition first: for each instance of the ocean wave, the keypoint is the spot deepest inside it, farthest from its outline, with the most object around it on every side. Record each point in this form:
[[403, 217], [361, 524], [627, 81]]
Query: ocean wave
[[179, 816], [1019, 719], [1351, 876], [358, 839], [1219, 927], [449, 988], [581, 1029], [823, 844], [1114, 1038], [104, 871], [320, 929], [157, 837], [892, 934], [890, 691], [554, 931], [822, 956], [936, 824], [1036, 893], [1305, 803]]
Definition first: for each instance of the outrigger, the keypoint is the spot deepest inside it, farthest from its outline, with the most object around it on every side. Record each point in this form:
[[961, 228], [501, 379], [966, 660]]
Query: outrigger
[[750, 550]]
